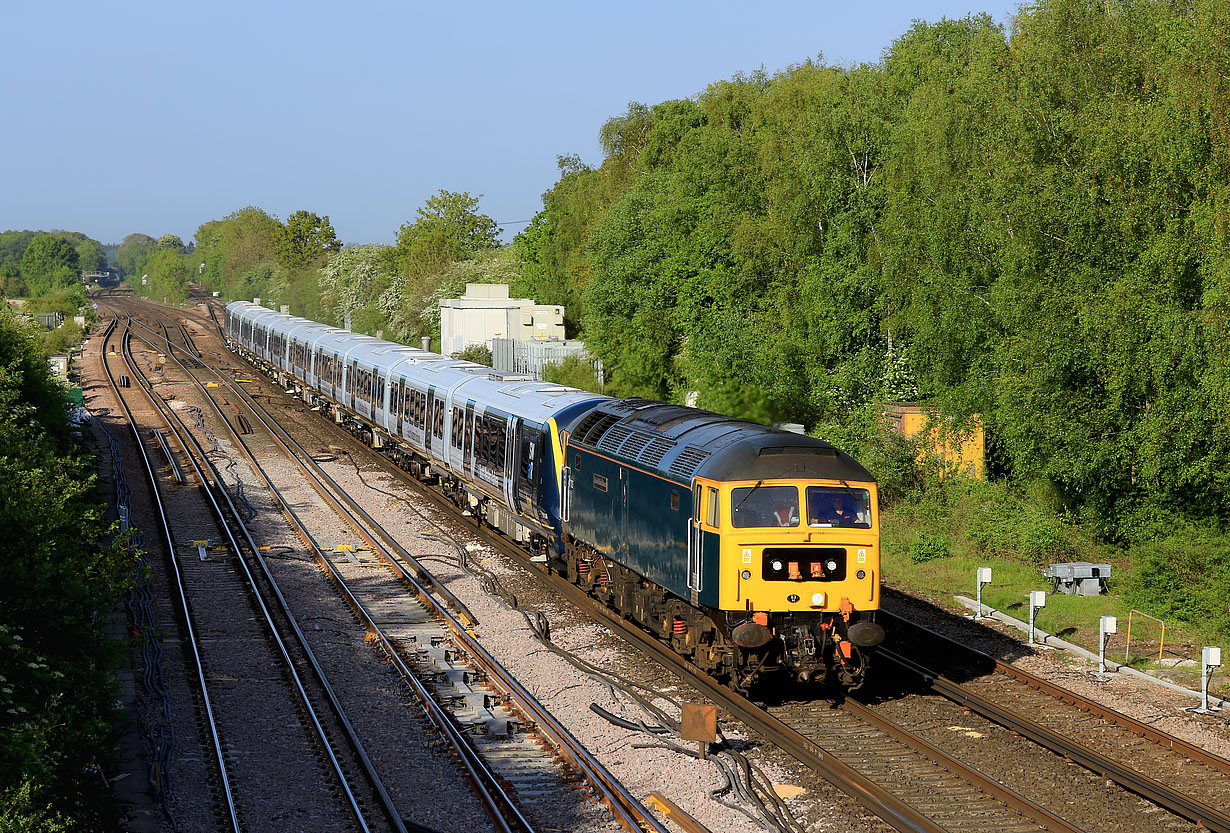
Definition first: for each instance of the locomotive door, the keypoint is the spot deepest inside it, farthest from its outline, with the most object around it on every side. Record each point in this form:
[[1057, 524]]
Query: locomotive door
[[623, 512], [703, 535]]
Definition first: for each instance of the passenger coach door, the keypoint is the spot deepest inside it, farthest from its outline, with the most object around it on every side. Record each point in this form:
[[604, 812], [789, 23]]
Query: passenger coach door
[[512, 432]]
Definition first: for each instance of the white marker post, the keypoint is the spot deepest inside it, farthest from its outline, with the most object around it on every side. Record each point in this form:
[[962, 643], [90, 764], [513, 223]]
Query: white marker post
[[1106, 626], [1210, 658], [984, 577], [1037, 599]]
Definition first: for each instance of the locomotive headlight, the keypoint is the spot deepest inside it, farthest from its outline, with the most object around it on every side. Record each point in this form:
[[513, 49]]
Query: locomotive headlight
[[861, 574], [777, 566], [830, 565], [817, 599], [745, 575]]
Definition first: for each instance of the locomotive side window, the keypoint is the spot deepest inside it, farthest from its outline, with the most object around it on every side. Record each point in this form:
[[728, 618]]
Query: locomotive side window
[[675, 501], [712, 516]]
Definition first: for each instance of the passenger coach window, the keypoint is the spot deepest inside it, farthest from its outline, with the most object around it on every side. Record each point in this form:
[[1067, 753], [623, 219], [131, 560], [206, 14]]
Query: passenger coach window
[[829, 506], [764, 506]]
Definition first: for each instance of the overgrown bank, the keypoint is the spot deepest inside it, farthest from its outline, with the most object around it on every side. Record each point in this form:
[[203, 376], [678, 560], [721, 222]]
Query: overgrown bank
[[59, 580]]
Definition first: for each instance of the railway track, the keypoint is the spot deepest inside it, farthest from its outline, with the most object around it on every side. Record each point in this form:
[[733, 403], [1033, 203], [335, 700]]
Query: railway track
[[1177, 775], [508, 744], [217, 597], [908, 782]]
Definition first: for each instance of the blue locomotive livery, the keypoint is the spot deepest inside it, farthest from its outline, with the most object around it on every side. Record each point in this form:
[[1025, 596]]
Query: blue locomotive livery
[[750, 550]]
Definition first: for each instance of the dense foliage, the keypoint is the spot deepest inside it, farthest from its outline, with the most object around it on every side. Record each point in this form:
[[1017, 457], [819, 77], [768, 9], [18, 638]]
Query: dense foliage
[[60, 580], [36, 263], [1027, 225]]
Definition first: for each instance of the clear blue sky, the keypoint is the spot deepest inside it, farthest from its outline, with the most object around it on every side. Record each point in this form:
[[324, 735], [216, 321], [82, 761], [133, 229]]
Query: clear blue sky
[[155, 117]]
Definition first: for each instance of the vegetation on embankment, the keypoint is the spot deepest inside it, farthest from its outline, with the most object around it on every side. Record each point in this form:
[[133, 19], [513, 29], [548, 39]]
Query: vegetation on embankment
[[59, 580]]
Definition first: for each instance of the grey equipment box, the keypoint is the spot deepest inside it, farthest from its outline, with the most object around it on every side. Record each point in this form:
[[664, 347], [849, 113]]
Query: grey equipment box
[[1079, 577]]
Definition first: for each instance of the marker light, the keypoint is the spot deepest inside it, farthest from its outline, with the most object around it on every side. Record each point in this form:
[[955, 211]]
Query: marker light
[[861, 574], [817, 599], [777, 566], [831, 565], [745, 575]]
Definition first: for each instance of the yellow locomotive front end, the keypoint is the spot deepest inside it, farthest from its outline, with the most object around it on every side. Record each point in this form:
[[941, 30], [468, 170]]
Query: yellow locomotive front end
[[800, 575]]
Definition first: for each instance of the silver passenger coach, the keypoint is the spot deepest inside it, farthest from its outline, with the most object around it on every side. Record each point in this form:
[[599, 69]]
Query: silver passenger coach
[[494, 435]]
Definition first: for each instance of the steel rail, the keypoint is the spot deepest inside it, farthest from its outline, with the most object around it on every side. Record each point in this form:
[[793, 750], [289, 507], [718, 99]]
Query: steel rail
[[1159, 737], [219, 758], [485, 781], [181, 433], [630, 813], [1139, 783]]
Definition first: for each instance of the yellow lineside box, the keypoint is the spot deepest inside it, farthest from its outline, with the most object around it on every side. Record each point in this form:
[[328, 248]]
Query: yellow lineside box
[[964, 452]]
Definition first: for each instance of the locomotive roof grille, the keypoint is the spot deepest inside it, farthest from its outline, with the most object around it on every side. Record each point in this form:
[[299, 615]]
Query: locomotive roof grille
[[635, 444], [593, 435], [655, 451], [688, 461], [614, 438]]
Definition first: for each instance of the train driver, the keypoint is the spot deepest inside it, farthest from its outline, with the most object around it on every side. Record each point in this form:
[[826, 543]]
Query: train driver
[[838, 512]]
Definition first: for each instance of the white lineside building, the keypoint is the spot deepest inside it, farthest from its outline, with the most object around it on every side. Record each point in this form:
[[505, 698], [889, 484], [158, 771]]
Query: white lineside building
[[486, 313]]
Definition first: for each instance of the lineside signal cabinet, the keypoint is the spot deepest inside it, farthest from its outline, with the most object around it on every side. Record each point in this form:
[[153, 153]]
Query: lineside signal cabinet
[[1079, 578]]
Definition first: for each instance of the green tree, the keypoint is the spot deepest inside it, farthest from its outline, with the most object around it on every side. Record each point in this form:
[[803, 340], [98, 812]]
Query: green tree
[[575, 372], [49, 263], [306, 239], [477, 353], [90, 256], [448, 228], [168, 277], [356, 278], [233, 248], [170, 243], [133, 253], [12, 285]]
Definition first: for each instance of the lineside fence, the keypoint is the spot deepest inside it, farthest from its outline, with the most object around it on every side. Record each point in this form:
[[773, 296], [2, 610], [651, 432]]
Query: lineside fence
[[530, 357]]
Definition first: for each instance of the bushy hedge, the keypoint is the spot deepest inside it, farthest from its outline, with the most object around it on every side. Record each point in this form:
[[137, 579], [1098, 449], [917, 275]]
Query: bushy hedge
[[59, 579]]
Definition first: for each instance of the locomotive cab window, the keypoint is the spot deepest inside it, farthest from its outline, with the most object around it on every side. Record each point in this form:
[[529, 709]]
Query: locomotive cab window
[[764, 506], [712, 515], [838, 506]]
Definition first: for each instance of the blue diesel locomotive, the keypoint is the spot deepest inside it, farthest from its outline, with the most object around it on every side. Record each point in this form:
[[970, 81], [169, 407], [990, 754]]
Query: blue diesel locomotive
[[750, 550]]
